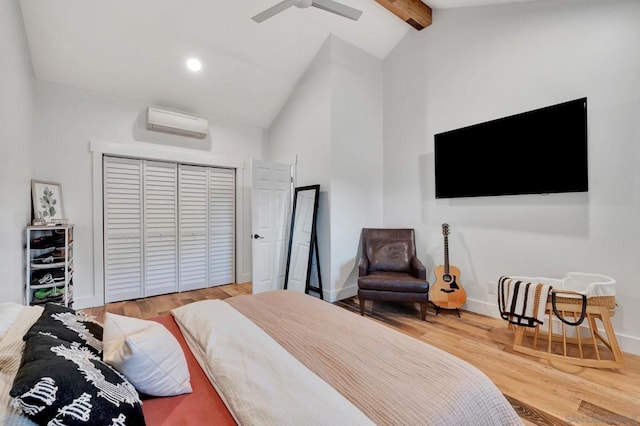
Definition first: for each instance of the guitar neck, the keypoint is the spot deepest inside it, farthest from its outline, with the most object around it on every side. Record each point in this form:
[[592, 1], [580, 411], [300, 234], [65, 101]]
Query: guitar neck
[[446, 254]]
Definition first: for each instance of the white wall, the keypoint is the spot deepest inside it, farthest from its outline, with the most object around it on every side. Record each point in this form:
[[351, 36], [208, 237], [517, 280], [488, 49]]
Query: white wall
[[356, 159], [16, 140], [69, 118], [332, 127], [477, 64], [301, 135]]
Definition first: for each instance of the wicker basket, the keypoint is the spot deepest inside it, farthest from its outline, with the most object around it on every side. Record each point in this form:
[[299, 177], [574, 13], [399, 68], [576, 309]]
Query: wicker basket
[[608, 302]]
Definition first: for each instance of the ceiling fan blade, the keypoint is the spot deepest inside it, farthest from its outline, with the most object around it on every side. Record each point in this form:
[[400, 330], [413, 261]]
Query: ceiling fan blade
[[337, 8], [273, 10]]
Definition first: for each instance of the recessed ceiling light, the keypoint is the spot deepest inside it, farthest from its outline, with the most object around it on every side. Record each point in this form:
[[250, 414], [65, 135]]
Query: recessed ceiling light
[[194, 64]]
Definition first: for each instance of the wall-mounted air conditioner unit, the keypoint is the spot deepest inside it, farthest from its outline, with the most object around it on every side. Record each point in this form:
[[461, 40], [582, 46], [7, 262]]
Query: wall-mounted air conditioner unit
[[178, 124]]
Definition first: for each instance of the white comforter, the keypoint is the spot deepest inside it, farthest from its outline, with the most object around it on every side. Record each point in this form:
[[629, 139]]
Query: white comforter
[[260, 382]]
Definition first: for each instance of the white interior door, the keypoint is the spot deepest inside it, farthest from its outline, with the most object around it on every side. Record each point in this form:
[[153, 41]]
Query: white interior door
[[192, 190], [270, 211], [222, 226], [207, 226], [123, 240], [160, 228]]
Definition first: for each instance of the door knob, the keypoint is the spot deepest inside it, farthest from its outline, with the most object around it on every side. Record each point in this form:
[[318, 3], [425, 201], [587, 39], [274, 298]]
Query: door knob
[[257, 237]]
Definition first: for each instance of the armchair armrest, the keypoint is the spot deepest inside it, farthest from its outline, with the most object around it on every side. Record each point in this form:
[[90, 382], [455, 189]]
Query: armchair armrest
[[417, 269], [363, 266]]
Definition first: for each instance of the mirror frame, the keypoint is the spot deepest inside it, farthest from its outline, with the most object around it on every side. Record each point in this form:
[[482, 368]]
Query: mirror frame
[[313, 244]]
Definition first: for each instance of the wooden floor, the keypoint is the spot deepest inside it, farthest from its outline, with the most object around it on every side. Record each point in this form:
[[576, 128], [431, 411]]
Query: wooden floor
[[159, 305], [542, 394]]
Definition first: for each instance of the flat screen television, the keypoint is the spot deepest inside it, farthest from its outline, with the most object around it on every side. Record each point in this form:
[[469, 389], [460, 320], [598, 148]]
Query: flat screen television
[[535, 152]]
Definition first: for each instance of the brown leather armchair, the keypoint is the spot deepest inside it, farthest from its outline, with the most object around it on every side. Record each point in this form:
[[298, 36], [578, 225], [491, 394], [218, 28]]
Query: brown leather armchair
[[388, 268]]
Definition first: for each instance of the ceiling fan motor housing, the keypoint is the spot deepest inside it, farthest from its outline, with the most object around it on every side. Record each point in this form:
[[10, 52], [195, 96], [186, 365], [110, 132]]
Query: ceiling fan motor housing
[[304, 3]]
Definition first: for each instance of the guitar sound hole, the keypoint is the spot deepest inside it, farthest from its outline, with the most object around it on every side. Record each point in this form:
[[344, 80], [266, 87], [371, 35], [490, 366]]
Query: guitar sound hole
[[446, 278]]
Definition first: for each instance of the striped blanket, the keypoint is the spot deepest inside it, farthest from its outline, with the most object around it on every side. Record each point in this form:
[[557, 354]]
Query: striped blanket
[[17, 323], [521, 302]]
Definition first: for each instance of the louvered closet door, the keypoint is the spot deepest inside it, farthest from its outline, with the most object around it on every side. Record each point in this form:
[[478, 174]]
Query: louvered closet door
[[193, 189], [160, 228], [123, 240], [221, 226]]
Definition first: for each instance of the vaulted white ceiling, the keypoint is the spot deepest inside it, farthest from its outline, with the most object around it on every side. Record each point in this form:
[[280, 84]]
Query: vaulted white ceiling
[[137, 49]]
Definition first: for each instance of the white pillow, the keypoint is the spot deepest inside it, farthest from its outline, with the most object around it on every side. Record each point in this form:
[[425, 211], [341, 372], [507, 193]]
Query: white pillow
[[147, 354]]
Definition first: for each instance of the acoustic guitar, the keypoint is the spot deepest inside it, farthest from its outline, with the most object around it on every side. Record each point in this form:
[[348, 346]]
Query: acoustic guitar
[[446, 292]]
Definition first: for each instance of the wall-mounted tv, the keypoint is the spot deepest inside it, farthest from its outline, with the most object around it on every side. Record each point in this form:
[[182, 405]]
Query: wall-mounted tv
[[535, 152]]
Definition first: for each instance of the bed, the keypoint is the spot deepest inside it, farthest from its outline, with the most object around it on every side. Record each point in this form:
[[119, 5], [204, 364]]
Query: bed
[[282, 357]]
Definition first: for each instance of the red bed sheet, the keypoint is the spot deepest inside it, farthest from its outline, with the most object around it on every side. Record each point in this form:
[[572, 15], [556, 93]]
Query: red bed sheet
[[201, 407]]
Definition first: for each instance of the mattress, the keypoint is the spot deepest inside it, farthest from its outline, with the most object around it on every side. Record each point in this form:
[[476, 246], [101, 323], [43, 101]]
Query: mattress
[[390, 377]]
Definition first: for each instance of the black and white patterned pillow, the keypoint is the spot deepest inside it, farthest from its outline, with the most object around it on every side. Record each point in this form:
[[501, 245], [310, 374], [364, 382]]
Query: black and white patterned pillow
[[68, 325], [66, 383]]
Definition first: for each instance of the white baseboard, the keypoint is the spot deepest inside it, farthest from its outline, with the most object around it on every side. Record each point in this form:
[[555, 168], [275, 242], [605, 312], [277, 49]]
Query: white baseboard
[[334, 295], [484, 308], [629, 344], [244, 278], [87, 302]]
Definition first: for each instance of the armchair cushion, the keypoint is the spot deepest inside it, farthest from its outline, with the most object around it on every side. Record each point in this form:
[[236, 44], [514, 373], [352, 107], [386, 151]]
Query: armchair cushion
[[393, 281], [386, 254]]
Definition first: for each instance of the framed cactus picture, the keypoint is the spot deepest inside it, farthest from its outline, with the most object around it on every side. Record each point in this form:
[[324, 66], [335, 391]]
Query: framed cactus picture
[[47, 201]]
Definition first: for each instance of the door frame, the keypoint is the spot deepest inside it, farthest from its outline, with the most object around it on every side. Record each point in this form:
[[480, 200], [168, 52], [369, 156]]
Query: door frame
[[255, 216], [146, 151]]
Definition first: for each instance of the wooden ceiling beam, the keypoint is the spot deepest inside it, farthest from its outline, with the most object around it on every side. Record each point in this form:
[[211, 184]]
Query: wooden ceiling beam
[[413, 12]]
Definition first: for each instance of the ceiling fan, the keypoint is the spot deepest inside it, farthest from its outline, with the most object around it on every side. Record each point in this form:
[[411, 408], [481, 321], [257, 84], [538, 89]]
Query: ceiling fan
[[328, 5]]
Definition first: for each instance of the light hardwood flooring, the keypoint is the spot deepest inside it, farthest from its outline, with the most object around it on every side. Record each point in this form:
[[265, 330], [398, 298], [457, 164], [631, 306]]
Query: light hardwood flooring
[[159, 305], [541, 393]]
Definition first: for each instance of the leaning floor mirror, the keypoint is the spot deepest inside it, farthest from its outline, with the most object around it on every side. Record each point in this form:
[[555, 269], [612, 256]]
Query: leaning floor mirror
[[303, 242]]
